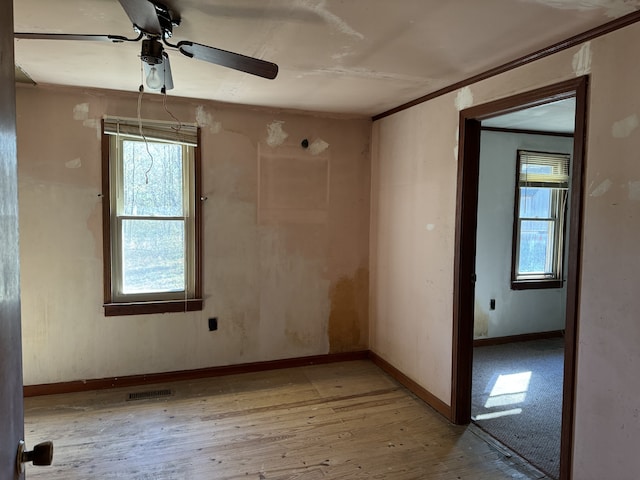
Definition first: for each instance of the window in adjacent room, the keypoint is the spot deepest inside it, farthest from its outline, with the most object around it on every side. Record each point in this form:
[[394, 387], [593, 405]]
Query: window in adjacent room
[[151, 218], [540, 208]]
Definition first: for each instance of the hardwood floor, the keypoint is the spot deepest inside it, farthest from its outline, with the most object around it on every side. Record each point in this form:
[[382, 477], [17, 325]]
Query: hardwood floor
[[338, 421]]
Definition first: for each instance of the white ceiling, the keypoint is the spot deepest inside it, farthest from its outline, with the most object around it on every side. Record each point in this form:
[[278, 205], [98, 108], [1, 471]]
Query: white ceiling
[[342, 56], [557, 117]]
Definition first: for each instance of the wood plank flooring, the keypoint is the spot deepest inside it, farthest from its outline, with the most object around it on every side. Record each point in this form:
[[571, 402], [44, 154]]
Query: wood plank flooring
[[338, 421]]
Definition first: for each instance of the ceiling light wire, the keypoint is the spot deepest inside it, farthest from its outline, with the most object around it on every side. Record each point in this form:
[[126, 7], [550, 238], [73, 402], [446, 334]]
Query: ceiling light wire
[[164, 104]]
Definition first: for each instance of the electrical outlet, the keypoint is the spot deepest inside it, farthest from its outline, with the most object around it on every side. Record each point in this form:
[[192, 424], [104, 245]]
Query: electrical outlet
[[492, 304], [213, 324]]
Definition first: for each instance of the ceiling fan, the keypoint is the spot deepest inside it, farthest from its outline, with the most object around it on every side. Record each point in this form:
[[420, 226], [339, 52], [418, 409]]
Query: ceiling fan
[[154, 23]]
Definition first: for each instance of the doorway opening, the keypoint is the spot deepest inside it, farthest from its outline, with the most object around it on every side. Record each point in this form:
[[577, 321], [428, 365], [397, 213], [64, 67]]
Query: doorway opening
[[466, 248], [520, 292]]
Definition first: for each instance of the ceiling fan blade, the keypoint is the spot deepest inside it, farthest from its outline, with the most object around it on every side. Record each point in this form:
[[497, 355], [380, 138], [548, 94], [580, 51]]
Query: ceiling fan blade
[[142, 14], [71, 36], [251, 65]]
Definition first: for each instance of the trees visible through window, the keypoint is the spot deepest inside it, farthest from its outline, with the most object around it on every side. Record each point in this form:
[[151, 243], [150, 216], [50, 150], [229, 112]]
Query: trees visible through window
[[541, 197], [152, 218], [152, 245]]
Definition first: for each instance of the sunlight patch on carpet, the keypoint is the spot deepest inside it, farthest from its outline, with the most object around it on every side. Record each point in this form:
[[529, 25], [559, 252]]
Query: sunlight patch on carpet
[[503, 413]]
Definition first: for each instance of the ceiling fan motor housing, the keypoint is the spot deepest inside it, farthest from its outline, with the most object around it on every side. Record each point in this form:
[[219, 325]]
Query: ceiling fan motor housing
[[151, 51]]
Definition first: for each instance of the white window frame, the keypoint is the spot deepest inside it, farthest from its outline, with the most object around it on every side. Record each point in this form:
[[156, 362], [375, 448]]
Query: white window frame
[[117, 131], [557, 183]]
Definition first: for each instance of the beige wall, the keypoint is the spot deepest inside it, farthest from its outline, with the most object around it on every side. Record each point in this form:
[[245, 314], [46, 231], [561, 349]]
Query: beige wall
[[285, 239], [412, 231]]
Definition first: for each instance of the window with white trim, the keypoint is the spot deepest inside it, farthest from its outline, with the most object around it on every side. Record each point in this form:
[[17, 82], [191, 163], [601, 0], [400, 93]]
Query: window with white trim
[[540, 209], [151, 217]]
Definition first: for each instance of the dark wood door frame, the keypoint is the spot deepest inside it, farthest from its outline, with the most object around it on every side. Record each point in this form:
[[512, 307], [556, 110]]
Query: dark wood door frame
[[465, 249]]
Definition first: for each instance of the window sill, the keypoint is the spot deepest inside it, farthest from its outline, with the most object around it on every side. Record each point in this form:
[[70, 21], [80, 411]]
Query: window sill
[[535, 284], [144, 308]]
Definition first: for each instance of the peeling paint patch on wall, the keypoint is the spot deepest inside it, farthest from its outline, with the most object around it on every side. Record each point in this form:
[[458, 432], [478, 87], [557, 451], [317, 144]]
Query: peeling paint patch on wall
[[581, 62], [612, 8], [275, 134], [318, 146], [634, 190], [455, 149], [602, 188], [93, 123], [624, 127], [81, 111], [205, 119], [75, 163], [464, 98]]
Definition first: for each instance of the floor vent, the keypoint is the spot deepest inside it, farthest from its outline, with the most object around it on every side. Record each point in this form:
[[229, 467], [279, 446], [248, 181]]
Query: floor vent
[[149, 394]]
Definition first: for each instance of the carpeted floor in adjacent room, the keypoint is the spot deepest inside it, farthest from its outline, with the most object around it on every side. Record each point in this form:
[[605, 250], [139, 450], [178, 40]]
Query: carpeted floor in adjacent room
[[517, 398]]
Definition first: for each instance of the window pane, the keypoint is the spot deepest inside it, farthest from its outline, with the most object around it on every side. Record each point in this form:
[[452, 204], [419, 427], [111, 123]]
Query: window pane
[[535, 202], [152, 256], [152, 181], [536, 247], [533, 168]]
